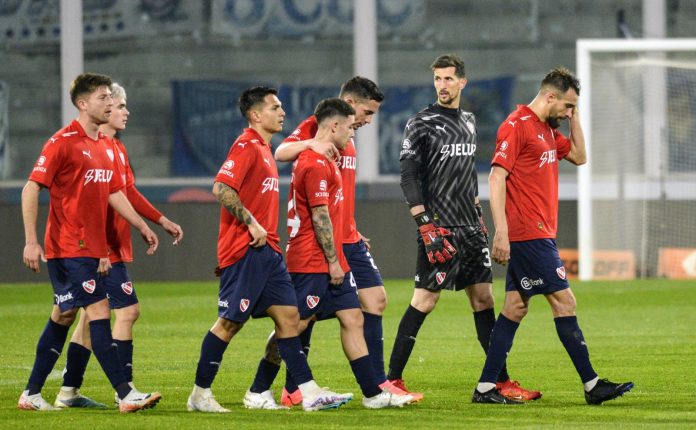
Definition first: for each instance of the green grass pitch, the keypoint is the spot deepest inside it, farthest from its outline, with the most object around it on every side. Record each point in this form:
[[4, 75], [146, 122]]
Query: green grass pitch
[[644, 331]]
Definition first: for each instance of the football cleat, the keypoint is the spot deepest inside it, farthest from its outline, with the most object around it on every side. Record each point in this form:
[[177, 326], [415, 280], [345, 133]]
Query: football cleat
[[72, 398], [493, 396], [387, 385], [399, 384], [387, 399], [34, 402], [291, 399], [513, 390], [326, 399], [135, 401], [202, 400], [263, 400], [606, 390]]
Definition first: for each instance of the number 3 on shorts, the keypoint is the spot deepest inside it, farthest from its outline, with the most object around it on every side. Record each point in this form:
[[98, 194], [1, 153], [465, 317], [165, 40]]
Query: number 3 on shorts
[[487, 255]]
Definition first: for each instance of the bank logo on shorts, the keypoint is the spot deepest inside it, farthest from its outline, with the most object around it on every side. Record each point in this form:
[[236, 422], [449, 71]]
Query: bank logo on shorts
[[312, 301], [89, 286], [127, 287], [244, 305], [527, 283], [440, 277], [223, 304], [560, 271], [61, 298]]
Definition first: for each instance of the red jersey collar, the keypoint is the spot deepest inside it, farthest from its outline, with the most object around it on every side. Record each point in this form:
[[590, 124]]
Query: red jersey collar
[[251, 134], [81, 131], [526, 110]]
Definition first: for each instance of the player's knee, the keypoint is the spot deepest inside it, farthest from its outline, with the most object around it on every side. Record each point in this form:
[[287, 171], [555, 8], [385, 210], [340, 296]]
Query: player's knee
[[374, 304], [516, 311], [351, 319], [288, 325], [128, 314], [64, 318]]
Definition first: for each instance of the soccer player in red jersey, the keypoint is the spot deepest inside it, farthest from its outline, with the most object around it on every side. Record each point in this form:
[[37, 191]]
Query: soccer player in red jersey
[[119, 286], [254, 280], [365, 97], [82, 181], [524, 201], [324, 285]]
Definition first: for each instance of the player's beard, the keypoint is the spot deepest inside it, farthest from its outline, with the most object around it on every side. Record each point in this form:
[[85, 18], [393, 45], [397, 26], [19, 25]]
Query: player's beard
[[554, 121], [445, 99]]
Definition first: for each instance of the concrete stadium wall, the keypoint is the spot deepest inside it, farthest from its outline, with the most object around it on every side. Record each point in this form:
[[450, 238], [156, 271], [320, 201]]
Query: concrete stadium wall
[[386, 223]]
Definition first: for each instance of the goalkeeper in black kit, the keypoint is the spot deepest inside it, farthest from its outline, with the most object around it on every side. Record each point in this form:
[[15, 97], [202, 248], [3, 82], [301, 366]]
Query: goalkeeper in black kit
[[440, 184]]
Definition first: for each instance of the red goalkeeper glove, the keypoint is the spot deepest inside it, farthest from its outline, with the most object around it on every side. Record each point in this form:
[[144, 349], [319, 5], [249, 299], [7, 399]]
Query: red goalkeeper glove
[[479, 212], [437, 247]]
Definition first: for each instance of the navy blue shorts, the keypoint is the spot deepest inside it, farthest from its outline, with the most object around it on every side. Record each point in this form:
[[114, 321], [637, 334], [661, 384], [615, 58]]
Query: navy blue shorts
[[316, 296], [119, 287], [253, 284], [535, 268], [362, 265], [75, 281]]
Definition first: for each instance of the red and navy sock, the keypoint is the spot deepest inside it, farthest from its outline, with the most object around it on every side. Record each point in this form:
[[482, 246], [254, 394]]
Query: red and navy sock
[[484, 321], [212, 350], [76, 362], [295, 360], [305, 338], [365, 375], [48, 349], [374, 337], [265, 375], [571, 336], [125, 356], [501, 342], [104, 349]]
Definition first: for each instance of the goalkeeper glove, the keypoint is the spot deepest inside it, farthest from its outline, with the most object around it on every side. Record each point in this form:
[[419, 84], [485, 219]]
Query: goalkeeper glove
[[479, 212], [437, 247]]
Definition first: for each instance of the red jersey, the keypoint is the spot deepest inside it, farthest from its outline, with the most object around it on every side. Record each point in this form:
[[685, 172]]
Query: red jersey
[[347, 164], [529, 149], [118, 230], [316, 181], [251, 170], [80, 176]]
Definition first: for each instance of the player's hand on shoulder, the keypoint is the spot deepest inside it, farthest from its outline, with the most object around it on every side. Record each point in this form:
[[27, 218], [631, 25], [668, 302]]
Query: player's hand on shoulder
[[327, 149], [437, 247], [336, 273], [31, 256], [258, 235], [501, 248]]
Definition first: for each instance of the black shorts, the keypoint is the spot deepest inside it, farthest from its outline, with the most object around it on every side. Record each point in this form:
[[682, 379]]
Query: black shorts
[[470, 265]]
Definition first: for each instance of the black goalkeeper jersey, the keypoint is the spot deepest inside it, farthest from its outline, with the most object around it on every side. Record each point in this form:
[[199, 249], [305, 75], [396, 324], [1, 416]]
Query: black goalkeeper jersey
[[442, 143]]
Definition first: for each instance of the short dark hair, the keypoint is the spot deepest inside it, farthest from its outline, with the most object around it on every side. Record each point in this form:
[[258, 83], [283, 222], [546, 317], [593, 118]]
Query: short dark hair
[[449, 60], [328, 108], [362, 88], [562, 80], [253, 96], [87, 83]]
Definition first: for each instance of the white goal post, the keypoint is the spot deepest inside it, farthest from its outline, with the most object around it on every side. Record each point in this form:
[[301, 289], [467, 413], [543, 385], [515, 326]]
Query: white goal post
[[639, 148]]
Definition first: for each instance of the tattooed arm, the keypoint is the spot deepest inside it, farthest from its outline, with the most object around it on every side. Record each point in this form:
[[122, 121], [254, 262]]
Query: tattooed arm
[[323, 231], [229, 198]]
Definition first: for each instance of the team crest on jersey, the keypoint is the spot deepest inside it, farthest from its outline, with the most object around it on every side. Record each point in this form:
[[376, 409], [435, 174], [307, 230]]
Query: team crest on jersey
[[110, 153], [244, 305], [440, 277], [406, 144], [41, 161], [322, 185], [561, 272], [503, 145], [312, 301], [89, 286], [229, 164], [127, 287]]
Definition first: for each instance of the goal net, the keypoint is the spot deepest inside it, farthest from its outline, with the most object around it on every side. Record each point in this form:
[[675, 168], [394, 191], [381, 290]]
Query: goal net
[[637, 194]]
